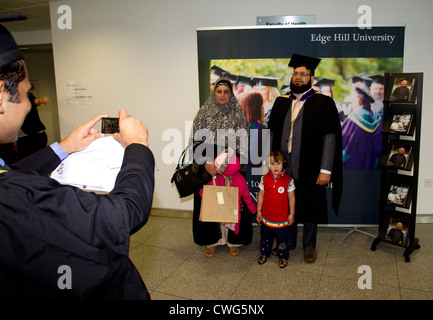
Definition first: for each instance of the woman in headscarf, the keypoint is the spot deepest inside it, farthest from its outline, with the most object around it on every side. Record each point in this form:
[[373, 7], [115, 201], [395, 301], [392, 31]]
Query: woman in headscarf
[[220, 126]]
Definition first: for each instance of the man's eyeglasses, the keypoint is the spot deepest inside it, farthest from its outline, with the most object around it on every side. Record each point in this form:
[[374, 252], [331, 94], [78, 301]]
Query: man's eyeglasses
[[302, 74]]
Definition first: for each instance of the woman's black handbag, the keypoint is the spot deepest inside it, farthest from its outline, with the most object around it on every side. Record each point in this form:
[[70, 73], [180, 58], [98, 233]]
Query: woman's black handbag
[[189, 177]]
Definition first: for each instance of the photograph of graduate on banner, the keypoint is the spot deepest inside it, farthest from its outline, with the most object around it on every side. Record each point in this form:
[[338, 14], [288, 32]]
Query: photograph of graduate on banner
[[355, 84]]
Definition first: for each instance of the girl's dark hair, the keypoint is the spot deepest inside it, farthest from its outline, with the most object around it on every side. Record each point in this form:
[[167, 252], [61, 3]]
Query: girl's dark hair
[[278, 155], [12, 74]]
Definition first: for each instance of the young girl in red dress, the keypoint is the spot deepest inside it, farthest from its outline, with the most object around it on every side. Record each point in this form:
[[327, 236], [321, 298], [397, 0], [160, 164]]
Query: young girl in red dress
[[275, 209]]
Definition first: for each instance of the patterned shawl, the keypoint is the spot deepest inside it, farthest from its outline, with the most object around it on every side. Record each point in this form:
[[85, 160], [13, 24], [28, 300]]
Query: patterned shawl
[[223, 125]]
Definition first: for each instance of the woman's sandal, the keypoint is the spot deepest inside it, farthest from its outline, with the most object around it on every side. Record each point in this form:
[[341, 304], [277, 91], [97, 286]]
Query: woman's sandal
[[234, 251], [262, 259], [282, 263], [210, 252]]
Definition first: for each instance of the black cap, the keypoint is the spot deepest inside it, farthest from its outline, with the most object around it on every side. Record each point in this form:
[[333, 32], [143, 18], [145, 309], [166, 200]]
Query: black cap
[[325, 82], [9, 51], [233, 78], [304, 61], [376, 79], [285, 88], [366, 96], [360, 77], [265, 81], [217, 71], [244, 81]]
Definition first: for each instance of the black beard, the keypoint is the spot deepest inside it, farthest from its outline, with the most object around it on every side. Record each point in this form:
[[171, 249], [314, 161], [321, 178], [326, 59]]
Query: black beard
[[300, 89]]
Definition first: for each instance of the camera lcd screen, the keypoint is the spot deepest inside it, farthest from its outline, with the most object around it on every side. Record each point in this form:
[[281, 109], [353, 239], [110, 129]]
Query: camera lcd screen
[[110, 125]]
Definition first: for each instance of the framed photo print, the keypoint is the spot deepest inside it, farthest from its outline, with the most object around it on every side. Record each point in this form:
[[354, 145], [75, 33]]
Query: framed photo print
[[399, 155], [398, 195], [398, 191], [400, 122], [397, 228], [401, 87]]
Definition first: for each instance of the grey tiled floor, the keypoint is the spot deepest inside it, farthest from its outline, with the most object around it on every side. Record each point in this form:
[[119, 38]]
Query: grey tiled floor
[[175, 268]]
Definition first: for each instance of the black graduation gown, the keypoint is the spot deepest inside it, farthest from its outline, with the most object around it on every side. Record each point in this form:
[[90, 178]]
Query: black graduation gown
[[45, 225], [320, 117]]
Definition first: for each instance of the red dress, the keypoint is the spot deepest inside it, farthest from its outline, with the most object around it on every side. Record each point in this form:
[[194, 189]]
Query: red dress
[[275, 208]]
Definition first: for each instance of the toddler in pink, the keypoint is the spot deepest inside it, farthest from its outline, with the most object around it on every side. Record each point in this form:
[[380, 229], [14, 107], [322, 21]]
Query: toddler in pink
[[236, 179]]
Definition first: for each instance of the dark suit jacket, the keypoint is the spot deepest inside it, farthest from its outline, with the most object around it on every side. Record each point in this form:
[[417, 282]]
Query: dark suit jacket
[[45, 225]]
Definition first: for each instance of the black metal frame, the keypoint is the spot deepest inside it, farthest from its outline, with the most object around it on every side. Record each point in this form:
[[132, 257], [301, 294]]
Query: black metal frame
[[387, 210]]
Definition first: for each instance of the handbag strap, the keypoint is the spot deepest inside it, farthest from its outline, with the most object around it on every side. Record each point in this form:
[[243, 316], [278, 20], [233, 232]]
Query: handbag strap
[[181, 160]]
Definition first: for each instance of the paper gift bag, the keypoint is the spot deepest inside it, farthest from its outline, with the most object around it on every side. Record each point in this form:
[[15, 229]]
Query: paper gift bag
[[219, 203]]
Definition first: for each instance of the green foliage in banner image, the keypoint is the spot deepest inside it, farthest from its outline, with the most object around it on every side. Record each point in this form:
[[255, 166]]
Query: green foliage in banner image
[[339, 69]]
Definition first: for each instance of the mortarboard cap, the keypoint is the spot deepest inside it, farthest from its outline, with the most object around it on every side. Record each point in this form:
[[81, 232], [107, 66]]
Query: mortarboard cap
[[366, 96], [325, 82], [304, 61], [9, 51], [285, 88], [360, 77], [233, 78], [376, 79], [265, 81], [217, 71], [244, 81]]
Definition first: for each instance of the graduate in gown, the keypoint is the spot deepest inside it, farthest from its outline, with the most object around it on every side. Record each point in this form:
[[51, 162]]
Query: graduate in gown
[[314, 154], [362, 139]]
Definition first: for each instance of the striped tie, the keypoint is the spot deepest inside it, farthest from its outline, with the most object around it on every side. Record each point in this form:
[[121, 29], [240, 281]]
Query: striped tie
[[295, 111]]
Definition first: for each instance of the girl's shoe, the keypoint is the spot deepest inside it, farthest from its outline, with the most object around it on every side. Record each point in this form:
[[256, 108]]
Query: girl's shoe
[[210, 252]]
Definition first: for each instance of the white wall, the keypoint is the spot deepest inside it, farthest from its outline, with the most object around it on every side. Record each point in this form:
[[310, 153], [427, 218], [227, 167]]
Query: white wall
[[142, 56]]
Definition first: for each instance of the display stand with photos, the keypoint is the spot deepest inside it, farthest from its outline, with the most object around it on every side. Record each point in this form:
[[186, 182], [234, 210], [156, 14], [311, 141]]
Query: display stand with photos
[[400, 161]]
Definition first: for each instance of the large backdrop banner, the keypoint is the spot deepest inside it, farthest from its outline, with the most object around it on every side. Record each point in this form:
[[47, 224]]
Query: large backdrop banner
[[255, 59]]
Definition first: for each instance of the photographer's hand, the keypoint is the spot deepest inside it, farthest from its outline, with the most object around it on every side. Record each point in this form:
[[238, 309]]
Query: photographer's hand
[[82, 136], [131, 130]]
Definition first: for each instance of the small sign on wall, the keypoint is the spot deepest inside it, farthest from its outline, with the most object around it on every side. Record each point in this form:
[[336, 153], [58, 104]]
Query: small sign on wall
[[79, 92], [285, 20]]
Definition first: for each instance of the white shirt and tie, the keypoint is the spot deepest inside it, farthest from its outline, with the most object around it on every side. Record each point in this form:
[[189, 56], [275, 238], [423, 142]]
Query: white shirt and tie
[[295, 109]]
